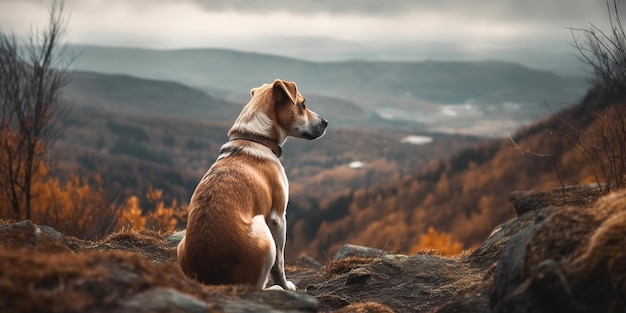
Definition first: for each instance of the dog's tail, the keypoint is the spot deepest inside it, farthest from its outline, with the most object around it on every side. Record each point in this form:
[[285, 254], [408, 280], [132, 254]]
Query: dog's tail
[[263, 236]]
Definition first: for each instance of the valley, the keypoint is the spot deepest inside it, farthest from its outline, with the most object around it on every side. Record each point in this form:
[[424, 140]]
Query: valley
[[381, 167], [130, 129]]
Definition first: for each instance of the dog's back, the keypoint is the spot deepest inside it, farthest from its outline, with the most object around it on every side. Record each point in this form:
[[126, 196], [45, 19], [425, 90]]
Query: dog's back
[[231, 240]]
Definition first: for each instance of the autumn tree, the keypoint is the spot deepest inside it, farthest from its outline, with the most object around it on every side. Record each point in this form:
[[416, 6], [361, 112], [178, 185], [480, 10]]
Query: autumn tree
[[32, 75], [75, 206], [156, 215]]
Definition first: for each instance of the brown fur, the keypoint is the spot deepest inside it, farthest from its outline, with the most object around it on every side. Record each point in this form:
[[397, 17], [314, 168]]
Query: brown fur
[[227, 255], [220, 246]]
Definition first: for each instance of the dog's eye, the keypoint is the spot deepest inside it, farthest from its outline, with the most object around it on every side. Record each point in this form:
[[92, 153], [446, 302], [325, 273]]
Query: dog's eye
[[303, 105]]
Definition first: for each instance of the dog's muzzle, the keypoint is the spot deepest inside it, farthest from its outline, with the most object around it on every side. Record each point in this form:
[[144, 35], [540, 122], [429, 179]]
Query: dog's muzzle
[[317, 130]]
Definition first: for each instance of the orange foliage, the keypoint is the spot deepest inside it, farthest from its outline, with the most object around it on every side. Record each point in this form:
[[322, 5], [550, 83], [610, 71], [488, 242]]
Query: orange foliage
[[79, 207], [75, 207], [161, 217], [158, 216], [131, 216], [441, 242]]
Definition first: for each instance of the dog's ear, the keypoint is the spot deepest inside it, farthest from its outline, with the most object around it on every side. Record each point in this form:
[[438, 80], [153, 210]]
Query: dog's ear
[[284, 88], [253, 90]]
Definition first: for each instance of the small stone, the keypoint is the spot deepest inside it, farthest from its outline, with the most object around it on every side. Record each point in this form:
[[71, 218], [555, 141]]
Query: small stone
[[358, 275], [27, 234], [175, 238], [283, 300]]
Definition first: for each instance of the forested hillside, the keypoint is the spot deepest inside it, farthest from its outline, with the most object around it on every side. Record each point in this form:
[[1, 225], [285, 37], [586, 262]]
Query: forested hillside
[[465, 195], [145, 132], [172, 154]]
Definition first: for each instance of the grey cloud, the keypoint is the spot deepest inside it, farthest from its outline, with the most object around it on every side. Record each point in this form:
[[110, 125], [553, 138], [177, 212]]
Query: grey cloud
[[557, 9], [566, 13], [499, 9]]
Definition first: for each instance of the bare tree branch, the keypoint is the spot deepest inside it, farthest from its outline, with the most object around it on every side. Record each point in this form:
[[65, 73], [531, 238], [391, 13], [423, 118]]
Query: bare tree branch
[[604, 144], [31, 79]]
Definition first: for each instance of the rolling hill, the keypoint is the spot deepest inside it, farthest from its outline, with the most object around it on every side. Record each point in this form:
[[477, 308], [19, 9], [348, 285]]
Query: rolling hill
[[490, 89], [130, 95], [125, 94]]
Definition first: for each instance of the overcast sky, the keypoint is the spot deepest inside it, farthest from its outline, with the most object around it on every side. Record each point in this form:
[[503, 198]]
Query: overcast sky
[[374, 29]]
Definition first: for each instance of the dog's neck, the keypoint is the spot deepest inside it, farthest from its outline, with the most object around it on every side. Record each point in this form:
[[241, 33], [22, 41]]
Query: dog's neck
[[276, 149]]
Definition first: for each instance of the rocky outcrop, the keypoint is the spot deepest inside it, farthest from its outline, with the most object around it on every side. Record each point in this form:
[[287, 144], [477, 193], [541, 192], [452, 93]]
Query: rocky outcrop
[[564, 252], [537, 199], [570, 260], [125, 272], [34, 237], [565, 255]]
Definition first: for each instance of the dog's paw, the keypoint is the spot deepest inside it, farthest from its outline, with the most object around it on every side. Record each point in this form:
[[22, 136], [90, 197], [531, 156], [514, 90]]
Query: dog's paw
[[291, 286]]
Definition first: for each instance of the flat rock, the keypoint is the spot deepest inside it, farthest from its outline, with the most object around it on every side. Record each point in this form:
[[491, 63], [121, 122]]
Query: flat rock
[[350, 250], [159, 299], [537, 199]]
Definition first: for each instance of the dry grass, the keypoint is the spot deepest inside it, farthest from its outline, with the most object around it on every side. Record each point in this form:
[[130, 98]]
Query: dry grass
[[334, 268], [33, 281], [587, 244], [365, 307], [148, 243], [6, 221]]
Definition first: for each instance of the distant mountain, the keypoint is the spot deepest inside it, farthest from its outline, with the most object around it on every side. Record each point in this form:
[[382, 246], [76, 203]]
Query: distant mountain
[[496, 90], [554, 57], [441, 82], [155, 98]]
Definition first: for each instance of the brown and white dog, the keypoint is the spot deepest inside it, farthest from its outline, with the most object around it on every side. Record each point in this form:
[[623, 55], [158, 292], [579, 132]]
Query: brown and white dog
[[236, 228]]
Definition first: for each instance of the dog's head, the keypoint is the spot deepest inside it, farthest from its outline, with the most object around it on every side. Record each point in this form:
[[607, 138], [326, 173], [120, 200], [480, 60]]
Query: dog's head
[[278, 110]]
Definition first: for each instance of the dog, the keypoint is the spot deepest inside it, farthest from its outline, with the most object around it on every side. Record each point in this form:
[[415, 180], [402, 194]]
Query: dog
[[236, 229]]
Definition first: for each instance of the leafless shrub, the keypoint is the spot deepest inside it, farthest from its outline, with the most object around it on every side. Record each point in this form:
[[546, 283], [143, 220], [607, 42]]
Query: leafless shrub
[[32, 75], [603, 142]]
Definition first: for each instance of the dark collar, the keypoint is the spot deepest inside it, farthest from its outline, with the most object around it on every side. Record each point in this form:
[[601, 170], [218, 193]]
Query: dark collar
[[278, 151]]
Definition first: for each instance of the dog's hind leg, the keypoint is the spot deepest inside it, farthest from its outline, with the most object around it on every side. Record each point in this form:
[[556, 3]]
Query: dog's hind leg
[[278, 226], [261, 231]]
